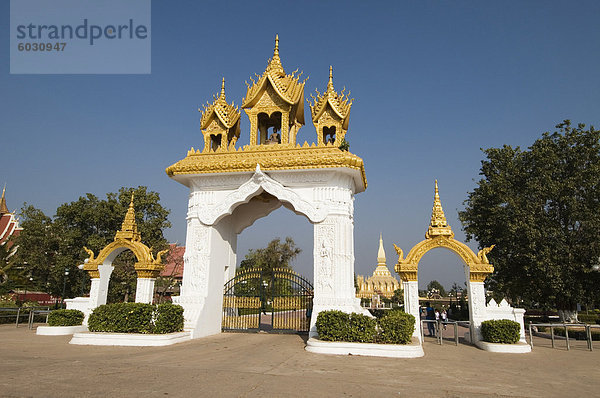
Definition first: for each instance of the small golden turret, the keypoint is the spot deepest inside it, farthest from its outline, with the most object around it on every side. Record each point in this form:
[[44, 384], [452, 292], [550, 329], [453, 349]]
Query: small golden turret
[[129, 229], [438, 225], [220, 123], [330, 114]]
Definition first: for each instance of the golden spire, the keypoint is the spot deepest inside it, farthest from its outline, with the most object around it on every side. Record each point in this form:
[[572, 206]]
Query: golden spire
[[129, 227], [3, 208], [223, 88], [438, 225], [381, 252], [275, 62], [330, 83]]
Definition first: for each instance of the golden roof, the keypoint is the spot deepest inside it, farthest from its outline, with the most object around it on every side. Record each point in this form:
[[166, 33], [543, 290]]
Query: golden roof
[[228, 114], [438, 225], [339, 103], [288, 87], [129, 229]]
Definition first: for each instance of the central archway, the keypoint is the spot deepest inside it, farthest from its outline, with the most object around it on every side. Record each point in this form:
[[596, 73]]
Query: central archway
[[222, 207]]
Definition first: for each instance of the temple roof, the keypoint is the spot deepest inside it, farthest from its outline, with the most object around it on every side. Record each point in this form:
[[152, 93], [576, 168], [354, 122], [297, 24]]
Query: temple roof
[[382, 269], [339, 103], [228, 114], [288, 87], [9, 225], [438, 225]]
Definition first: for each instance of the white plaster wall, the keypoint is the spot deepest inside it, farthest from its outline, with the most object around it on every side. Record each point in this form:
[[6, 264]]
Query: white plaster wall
[[411, 304]]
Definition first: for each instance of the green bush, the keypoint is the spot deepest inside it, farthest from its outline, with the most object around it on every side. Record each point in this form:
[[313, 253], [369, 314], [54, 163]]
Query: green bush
[[65, 318], [396, 327], [361, 328], [169, 318], [136, 318], [502, 331], [332, 325]]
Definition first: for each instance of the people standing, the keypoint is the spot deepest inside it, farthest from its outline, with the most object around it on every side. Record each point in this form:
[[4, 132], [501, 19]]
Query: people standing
[[430, 317]]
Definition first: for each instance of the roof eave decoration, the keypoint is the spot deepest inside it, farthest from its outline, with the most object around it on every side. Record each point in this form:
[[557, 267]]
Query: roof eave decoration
[[228, 114], [288, 87], [288, 157], [340, 103]]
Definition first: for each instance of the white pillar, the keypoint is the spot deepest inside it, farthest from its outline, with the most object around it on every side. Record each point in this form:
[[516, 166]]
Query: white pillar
[[477, 310], [144, 292], [333, 253], [99, 288], [411, 304]]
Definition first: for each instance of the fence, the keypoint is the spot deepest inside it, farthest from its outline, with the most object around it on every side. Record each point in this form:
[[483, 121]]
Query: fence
[[440, 326], [21, 312], [565, 326]]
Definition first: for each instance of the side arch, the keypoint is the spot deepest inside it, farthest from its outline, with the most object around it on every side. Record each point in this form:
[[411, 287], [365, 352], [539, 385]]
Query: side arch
[[479, 266]]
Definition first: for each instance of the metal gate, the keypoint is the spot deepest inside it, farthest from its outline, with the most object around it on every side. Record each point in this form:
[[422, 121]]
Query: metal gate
[[278, 300]]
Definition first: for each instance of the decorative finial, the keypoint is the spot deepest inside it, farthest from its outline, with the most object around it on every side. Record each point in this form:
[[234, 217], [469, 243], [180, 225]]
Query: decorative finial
[[223, 88], [3, 207], [129, 229], [330, 83], [276, 51], [438, 225]]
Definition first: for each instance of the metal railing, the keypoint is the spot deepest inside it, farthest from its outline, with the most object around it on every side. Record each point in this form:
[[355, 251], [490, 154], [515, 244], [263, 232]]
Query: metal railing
[[35, 312], [20, 312], [565, 326], [439, 327]]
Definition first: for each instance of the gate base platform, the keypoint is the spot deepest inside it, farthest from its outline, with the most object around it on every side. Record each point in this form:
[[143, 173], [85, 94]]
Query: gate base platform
[[129, 339], [413, 350]]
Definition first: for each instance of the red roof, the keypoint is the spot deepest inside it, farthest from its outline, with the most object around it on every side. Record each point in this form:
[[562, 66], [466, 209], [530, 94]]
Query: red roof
[[174, 262]]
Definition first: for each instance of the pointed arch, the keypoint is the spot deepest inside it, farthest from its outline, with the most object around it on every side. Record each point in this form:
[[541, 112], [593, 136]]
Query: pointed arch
[[257, 183]]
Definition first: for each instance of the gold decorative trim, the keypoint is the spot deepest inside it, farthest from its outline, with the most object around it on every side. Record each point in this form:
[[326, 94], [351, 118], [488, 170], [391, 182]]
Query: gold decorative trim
[[269, 157]]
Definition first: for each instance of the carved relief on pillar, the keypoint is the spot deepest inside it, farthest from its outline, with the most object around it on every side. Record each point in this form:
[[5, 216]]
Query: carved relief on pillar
[[477, 298], [324, 261], [195, 277]]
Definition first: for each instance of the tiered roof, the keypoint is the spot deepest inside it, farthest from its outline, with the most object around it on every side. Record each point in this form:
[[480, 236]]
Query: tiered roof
[[438, 225], [288, 87], [9, 224], [228, 114], [339, 103]]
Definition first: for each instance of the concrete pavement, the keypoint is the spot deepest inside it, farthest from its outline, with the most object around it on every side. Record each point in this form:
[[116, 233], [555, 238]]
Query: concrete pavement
[[271, 365]]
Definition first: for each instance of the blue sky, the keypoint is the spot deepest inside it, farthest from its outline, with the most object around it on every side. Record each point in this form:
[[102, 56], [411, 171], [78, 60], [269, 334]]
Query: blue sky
[[433, 83]]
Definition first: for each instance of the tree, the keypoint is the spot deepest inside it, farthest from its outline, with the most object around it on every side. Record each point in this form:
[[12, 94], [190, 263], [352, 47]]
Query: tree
[[437, 286], [275, 255], [48, 247], [540, 208]]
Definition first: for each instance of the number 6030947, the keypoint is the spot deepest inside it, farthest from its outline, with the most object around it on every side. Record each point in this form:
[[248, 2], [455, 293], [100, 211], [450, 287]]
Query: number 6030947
[[41, 46]]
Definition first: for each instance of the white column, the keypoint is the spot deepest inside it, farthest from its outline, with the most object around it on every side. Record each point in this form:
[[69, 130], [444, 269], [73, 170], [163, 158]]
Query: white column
[[333, 253], [477, 310], [144, 292], [99, 288], [411, 304]]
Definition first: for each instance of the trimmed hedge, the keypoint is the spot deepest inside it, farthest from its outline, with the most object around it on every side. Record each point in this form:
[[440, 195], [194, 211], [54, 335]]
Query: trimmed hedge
[[333, 325], [65, 318], [137, 318], [589, 318], [502, 331], [396, 327]]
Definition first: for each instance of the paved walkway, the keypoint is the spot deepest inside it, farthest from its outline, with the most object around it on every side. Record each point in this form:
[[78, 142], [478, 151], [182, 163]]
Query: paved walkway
[[270, 365]]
